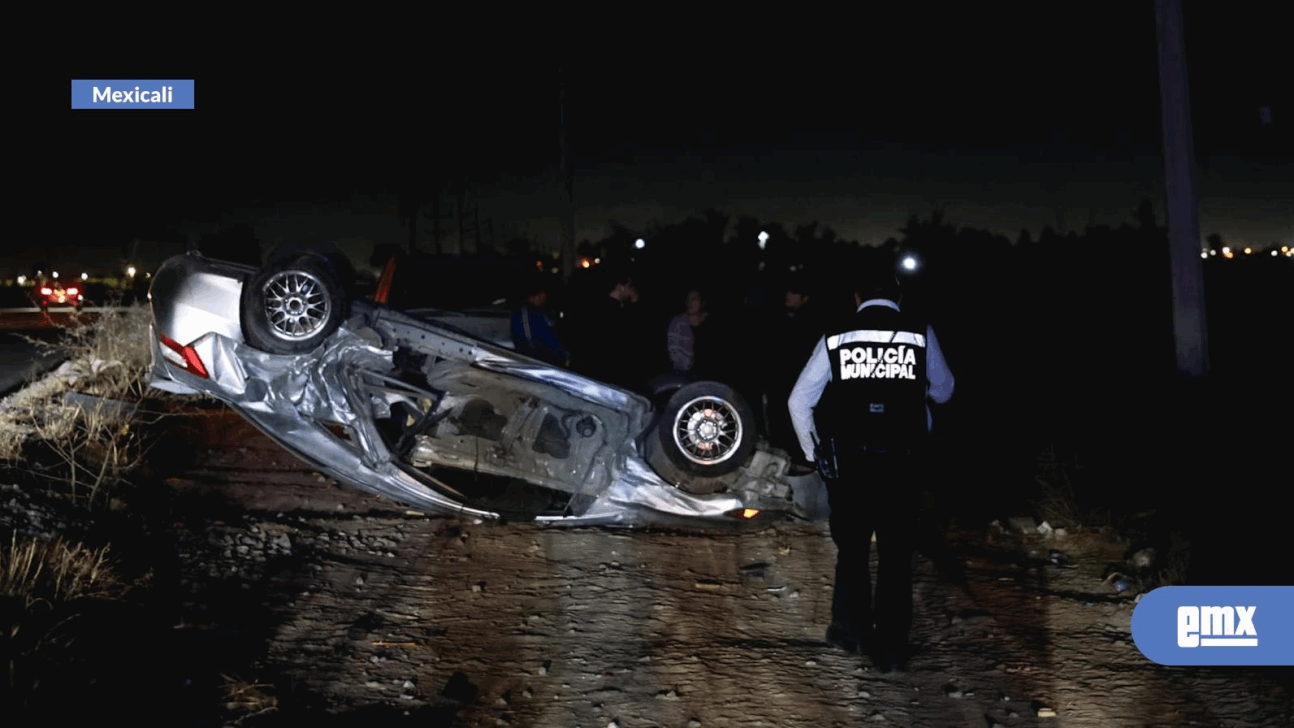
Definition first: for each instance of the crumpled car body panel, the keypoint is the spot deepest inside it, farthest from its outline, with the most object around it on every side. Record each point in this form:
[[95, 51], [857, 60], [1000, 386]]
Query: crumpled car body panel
[[390, 404]]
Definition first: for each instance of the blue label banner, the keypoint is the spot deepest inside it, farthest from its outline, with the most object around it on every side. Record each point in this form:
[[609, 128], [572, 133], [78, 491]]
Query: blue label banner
[[1216, 625], [132, 94]]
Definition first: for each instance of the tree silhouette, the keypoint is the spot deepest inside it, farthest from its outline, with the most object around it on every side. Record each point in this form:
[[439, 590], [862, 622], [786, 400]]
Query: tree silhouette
[[517, 248]]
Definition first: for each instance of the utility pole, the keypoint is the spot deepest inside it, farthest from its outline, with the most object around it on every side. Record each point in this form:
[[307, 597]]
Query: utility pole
[[435, 222], [414, 211], [476, 223], [1190, 328], [567, 204], [461, 248]]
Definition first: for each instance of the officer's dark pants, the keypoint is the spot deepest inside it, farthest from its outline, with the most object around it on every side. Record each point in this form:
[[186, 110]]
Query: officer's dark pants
[[881, 494]]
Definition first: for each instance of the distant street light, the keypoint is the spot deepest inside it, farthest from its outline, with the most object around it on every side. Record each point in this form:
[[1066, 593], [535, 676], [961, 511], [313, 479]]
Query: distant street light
[[85, 276], [763, 239], [909, 263], [1206, 255], [1249, 251], [23, 279], [131, 271], [56, 274], [640, 244], [1273, 255]]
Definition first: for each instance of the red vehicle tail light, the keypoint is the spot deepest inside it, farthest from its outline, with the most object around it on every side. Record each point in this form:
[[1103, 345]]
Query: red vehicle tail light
[[46, 291], [71, 291], [189, 358]]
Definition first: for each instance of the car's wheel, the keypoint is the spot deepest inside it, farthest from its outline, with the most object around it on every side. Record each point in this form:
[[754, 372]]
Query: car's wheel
[[707, 429], [292, 306]]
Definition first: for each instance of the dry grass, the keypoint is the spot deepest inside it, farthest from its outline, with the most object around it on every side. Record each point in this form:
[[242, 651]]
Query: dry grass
[[49, 592], [1060, 501], [243, 696], [35, 571], [81, 424]]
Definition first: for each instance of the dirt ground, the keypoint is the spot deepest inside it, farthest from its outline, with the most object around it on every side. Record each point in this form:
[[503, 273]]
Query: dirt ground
[[277, 596]]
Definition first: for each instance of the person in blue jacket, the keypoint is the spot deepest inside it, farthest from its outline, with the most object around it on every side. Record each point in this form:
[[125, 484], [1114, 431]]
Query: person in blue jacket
[[532, 330]]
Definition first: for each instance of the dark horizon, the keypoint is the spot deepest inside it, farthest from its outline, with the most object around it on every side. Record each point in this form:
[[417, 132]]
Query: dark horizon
[[999, 130]]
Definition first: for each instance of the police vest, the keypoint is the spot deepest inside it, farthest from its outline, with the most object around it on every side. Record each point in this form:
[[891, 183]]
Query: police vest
[[877, 392]]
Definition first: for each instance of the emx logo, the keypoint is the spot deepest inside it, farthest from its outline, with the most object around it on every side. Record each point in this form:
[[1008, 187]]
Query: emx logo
[[1215, 627], [1172, 623]]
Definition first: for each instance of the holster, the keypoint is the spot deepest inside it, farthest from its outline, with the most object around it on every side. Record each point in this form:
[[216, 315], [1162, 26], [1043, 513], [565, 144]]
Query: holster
[[825, 453]]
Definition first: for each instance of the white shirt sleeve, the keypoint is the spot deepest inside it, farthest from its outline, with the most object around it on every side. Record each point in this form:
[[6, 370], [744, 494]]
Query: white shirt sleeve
[[941, 379], [805, 394]]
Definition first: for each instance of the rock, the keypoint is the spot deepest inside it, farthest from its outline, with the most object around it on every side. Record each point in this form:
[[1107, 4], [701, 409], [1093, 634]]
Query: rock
[[1046, 713], [1045, 528], [1143, 559], [1024, 524]]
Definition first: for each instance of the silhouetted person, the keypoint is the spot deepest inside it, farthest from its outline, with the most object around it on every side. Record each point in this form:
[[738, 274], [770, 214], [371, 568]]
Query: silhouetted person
[[792, 334], [860, 408], [682, 333], [533, 333], [614, 344]]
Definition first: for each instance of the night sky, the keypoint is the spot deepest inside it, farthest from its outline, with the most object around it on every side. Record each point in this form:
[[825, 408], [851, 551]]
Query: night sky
[[1004, 121]]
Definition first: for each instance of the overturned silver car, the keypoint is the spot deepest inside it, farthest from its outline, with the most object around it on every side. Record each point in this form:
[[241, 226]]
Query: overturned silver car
[[434, 418]]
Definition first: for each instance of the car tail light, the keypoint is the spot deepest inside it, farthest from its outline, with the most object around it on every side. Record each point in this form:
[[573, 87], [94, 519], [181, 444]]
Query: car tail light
[[188, 357], [46, 291], [71, 291]]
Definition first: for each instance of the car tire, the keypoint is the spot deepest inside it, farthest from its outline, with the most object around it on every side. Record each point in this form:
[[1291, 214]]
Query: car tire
[[292, 306], [706, 429], [343, 270]]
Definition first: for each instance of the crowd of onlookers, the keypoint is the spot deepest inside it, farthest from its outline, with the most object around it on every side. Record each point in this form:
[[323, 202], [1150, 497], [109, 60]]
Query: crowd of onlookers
[[613, 335]]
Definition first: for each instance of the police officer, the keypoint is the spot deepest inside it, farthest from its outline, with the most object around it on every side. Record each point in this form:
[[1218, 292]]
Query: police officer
[[860, 410]]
